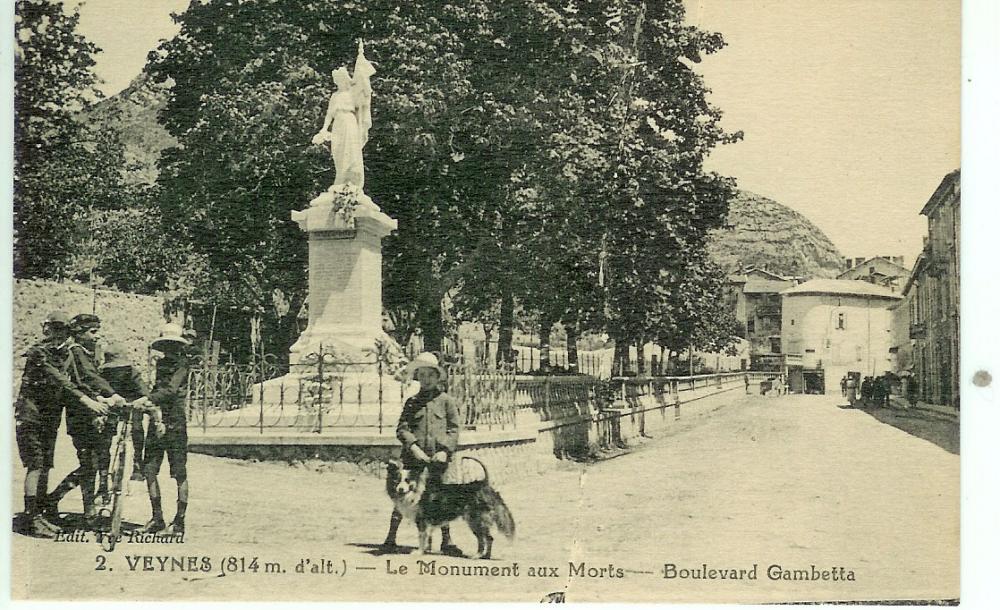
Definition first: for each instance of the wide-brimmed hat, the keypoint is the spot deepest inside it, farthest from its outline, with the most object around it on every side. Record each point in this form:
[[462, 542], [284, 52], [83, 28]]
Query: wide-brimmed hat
[[170, 335], [115, 357], [423, 360], [84, 321]]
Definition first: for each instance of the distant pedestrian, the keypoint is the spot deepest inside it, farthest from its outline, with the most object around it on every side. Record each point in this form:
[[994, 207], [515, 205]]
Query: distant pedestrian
[[866, 391], [878, 390], [843, 386], [886, 389], [852, 391], [746, 382]]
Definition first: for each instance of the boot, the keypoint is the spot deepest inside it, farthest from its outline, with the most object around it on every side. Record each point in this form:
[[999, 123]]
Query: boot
[[40, 528], [40, 519], [176, 526], [48, 506], [153, 526], [390, 538]]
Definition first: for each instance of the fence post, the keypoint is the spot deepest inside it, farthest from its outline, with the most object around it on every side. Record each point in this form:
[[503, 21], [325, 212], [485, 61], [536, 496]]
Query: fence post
[[545, 393], [319, 403], [380, 393], [260, 420], [204, 404]]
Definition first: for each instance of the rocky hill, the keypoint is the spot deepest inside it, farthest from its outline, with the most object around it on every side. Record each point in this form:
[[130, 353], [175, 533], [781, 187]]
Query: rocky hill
[[132, 112], [763, 233]]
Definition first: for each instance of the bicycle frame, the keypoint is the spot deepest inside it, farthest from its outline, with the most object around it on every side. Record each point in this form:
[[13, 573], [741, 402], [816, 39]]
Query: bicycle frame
[[120, 461]]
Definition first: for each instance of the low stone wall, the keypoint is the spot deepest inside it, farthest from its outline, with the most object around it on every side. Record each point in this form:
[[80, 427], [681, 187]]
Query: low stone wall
[[130, 319], [571, 424], [558, 419], [504, 454]]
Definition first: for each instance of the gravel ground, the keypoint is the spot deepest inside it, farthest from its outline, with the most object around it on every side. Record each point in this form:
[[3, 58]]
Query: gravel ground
[[792, 481]]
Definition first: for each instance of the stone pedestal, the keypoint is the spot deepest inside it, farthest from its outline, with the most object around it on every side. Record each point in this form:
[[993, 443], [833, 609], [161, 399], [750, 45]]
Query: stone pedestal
[[345, 275]]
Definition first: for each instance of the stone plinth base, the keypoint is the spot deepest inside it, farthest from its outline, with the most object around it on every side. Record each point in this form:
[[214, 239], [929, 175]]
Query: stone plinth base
[[345, 230]]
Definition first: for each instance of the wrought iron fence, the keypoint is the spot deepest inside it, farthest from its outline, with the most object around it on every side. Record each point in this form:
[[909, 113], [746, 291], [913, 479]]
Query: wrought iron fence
[[487, 393], [325, 392]]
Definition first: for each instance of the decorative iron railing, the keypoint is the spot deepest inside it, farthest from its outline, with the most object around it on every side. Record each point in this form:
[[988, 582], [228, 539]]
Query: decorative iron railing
[[326, 393]]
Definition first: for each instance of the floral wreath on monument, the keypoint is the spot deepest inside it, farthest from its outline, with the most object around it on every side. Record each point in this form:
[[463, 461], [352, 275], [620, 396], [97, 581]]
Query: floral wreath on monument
[[342, 198]]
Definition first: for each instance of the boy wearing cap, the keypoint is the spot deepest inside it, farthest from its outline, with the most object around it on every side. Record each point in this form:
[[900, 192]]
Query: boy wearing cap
[[428, 429], [45, 388], [169, 393], [80, 419], [127, 382]]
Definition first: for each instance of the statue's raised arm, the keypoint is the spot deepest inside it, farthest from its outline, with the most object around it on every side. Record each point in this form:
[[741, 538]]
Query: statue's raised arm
[[348, 119]]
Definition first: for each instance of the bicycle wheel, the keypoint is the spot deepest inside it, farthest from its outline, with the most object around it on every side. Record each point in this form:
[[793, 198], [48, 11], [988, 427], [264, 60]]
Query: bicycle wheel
[[118, 482]]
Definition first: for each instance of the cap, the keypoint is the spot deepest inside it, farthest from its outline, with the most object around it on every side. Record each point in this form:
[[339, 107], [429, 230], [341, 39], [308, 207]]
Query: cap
[[84, 321], [57, 317]]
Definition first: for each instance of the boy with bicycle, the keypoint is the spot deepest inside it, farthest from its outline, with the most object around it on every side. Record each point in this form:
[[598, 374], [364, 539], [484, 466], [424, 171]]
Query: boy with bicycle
[[127, 382]]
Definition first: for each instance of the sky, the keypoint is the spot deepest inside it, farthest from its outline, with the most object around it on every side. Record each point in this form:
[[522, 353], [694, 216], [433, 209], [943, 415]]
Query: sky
[[849, 108]]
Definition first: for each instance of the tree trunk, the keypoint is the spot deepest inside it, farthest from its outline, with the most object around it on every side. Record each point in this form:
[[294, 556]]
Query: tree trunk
[[487, 334], [620, 357], [640, 358], [572, 356], [431, 323], [505, 334], [544, 346]]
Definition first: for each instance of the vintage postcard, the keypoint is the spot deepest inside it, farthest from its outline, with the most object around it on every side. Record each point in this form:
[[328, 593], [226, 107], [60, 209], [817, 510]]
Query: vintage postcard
[[551, 300]]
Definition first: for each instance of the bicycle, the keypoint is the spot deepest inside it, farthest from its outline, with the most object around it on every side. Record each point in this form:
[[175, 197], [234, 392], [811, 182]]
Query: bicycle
[[121, 460]]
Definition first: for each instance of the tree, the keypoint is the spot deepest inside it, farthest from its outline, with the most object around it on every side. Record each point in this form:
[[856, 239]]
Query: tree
[[53, 151]]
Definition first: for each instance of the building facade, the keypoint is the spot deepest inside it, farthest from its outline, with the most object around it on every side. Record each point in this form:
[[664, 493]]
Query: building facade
[[756, 295], [880, 270], [932, 302], [832, 328]]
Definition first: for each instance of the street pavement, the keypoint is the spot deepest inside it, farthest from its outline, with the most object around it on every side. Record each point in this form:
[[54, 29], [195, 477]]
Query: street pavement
[[791, 481]]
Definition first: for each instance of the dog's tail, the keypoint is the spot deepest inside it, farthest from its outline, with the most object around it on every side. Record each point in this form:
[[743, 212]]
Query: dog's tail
[[486, 473], [501, 514]]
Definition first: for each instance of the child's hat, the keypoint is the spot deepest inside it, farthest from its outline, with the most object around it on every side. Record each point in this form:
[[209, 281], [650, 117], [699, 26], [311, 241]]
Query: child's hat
[[170, 334], [423, 360], [115, 357]]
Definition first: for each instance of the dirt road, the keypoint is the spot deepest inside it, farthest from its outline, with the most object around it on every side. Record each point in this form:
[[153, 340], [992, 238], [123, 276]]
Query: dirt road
[[792, 481]]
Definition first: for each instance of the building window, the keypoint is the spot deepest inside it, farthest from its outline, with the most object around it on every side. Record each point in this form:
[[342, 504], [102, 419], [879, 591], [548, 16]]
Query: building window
[[840, 321], [750, 325], [793, 321]]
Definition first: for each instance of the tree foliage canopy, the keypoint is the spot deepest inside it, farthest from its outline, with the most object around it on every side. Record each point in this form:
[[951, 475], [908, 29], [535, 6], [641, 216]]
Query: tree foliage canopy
[[537, 154]]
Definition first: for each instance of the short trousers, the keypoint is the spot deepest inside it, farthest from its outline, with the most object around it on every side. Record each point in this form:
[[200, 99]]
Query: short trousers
[[36, 444], [174, 444]]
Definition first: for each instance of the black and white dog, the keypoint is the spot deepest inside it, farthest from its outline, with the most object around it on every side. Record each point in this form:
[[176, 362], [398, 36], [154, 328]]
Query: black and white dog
[[431, 504]]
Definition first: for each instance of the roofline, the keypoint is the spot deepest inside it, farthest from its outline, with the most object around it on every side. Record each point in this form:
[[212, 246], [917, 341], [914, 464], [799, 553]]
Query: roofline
[[939, 193], [881, 258], [833, 293], [918, 266]]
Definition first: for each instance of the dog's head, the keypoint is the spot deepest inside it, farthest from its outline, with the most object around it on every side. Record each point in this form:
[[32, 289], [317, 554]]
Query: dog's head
[[404, 483]]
